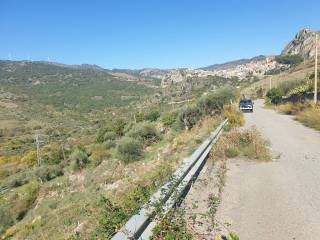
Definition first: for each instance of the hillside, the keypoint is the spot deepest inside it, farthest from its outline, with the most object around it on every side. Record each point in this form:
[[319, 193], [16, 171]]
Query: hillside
[[84, 87], [81, 149]]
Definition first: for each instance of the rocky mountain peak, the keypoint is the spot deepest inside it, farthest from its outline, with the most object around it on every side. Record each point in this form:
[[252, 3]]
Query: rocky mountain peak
[[303, 44]]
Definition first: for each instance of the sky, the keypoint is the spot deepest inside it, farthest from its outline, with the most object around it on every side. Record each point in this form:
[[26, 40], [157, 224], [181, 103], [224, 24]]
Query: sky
[[136, 34]]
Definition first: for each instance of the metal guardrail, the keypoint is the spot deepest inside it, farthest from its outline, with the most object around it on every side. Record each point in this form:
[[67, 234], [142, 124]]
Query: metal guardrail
[[140, 225]]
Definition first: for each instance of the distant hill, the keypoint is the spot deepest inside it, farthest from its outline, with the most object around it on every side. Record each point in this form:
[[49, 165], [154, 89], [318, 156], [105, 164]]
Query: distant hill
[[231, 64], [81, 87], [244, 69]]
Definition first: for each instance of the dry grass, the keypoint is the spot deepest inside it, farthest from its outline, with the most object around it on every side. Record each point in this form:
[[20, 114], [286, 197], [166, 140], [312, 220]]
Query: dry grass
[[310, 117], [234, 115], [246, 143], [306, 113], [293, 108]]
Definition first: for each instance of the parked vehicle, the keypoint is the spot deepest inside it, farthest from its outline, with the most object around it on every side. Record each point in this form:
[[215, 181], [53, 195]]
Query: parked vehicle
[[246, 105]]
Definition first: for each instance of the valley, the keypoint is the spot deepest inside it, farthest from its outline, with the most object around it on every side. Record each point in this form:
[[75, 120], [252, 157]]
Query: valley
[[82, 148]]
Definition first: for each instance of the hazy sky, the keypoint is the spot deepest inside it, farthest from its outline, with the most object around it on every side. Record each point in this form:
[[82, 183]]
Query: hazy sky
[[150, 33]]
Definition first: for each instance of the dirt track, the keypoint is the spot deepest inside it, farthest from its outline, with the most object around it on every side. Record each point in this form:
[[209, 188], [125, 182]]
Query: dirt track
[[278, 199]]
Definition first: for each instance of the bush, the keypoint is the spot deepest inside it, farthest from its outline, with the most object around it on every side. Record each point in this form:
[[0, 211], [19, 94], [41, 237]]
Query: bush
[[79, 159], [289, 59], [168, 119], [53, 154], [235, 117], [129, 149], [152, 116], [109, 136], [30, 158], [231, 152], [275, 95], [214, 102], [22, 199], [144, 132], [112, 129], [189, 117], [98, 154], [109, 144], [118, 126], [287, 86], [47, 173], [17, 180], [6, 219], [139, 117]]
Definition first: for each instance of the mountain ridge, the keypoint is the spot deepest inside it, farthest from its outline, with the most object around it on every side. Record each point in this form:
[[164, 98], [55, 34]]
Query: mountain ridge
[[302, 44]]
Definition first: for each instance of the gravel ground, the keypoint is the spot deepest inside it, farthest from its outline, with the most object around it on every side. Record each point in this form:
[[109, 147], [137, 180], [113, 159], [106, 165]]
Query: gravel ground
[[278, 199]]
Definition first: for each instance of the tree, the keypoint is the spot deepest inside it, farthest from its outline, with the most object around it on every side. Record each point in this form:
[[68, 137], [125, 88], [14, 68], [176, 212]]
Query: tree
[[129, 149], [189, 117], [275, 95]]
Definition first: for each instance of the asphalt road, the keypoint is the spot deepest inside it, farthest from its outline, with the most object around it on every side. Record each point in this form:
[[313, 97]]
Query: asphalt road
[[278, 199]]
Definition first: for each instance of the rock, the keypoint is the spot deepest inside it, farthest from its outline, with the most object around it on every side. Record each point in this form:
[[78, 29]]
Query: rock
[[303, 44]]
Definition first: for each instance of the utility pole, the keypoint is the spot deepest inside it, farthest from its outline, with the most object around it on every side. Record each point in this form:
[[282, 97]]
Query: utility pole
[[316, 72]]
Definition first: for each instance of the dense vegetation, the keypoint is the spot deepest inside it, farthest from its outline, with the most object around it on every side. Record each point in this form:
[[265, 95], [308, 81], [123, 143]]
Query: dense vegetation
[[289, 59], [98, 137], [83, 89], [295, 93]]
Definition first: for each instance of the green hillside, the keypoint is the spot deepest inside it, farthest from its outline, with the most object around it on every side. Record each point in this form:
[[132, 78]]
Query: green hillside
[[62, 87]]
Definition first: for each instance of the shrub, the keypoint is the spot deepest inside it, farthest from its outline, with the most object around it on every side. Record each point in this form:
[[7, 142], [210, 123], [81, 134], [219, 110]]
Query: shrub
[[275, 95], [114, 214], [139, 117], [168, 119], [30, 158], [152, 116], [109, 136], [109, 144], [47, 173], [287, 86], [188, 117], [54, 154], [16, 180], [214, 102], [144, 132], [235, 117], [300, 89], [129, 149], [79, 159], [98, 154], [231, 152], [6, 219], [248, 143], [18, 201], [289, 59], [119, 126], [112, 129]]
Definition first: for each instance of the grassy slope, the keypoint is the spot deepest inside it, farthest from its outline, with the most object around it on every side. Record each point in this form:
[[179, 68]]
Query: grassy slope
[[74, 205], [296, 73], [75, 198]]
